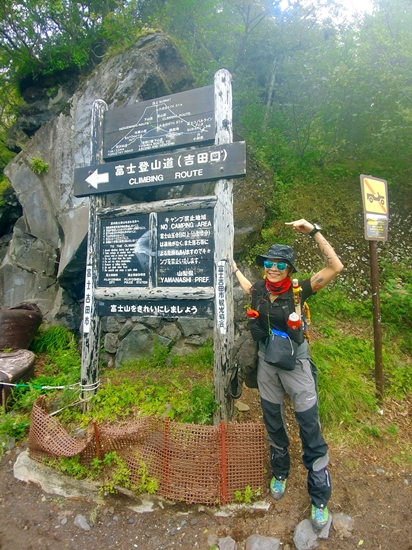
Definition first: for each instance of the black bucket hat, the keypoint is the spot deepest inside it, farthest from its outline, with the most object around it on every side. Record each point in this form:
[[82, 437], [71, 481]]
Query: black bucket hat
[[278, 252]]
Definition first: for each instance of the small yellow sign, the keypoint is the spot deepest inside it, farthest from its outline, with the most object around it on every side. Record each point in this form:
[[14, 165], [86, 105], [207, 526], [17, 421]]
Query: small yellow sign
[[375, 207], [375, 196]]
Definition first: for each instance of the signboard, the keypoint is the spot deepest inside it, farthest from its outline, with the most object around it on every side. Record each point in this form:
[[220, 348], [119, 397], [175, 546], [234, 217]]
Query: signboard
[[220, 298], [87, 298], [124, 251], [183, 256], [191, 165], [157, 308], [162, 123], [376, 208], [185, 248]]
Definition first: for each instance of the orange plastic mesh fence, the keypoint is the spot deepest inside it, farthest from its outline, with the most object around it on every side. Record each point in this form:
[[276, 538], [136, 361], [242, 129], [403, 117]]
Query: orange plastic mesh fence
[[48, 437], [192, 463]]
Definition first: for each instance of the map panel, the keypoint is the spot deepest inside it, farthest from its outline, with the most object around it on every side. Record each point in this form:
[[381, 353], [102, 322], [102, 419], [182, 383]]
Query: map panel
[[166, 122]]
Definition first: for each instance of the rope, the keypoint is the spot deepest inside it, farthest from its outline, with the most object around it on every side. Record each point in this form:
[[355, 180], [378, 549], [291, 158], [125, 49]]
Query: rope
[[90, 387], [70, 387]]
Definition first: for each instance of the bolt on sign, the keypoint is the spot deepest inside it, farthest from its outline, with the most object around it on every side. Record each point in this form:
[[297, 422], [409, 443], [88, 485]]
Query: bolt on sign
[[375, 207]]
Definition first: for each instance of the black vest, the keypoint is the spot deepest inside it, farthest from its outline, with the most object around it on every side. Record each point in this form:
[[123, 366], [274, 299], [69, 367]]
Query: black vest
[[272, 314]]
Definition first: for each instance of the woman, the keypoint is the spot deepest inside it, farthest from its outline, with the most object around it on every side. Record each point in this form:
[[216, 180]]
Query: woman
[[273, 300]]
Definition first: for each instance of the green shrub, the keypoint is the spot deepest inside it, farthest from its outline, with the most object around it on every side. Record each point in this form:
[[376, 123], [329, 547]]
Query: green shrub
[[61, 368], [399, 381], [38, 166], [52, 339], [14, 424], [346, 395], [396, 303]]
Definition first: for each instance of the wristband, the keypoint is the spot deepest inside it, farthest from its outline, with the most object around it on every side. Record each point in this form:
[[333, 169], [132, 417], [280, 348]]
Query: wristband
[[235, 271], [315, 229]]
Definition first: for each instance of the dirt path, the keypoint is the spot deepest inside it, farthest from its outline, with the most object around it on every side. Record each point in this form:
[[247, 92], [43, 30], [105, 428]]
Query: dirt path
[[366, 486]]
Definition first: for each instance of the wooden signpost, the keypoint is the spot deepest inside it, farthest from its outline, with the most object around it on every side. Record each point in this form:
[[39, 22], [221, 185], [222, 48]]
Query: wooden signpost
[[89, 378], [167, 258]]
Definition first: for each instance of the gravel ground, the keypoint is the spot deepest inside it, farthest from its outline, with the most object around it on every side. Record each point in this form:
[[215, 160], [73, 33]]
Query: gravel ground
[[367, 486]]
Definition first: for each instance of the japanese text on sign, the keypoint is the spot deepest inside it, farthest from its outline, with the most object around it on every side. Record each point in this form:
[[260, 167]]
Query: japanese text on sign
[[125, 251], [193, 162], [221, 297], [158, 308], [87, 309], [185, 248]]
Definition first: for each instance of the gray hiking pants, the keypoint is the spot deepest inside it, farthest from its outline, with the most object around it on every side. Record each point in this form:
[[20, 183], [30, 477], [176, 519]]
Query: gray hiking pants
[[299, 384]]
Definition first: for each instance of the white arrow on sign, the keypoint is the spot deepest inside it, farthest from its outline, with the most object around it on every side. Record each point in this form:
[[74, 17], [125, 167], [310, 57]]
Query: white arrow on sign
[[96, 178]]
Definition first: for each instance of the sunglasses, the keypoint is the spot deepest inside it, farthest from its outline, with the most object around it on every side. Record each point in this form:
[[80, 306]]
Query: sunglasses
[[281, 266]]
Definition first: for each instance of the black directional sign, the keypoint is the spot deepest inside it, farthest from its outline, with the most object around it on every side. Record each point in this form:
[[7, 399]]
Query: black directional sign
[[191, 165], [194, 308], [162, 123]]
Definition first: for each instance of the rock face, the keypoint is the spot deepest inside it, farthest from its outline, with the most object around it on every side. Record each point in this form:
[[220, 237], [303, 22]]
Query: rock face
[[43, 260]]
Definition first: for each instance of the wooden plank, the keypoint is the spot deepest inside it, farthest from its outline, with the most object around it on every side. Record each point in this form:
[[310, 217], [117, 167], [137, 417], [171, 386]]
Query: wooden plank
[[188, 203], [224, 233], [91, 329]]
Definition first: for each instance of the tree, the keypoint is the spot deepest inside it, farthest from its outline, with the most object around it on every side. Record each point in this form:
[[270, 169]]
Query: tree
[[42, 37]]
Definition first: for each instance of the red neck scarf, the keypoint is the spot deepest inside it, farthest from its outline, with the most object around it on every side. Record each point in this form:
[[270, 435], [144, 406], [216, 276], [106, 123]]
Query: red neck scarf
[[279, 288]]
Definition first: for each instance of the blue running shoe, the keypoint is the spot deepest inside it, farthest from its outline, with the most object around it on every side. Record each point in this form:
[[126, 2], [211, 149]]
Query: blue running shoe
[[320, 517], [277, 487]]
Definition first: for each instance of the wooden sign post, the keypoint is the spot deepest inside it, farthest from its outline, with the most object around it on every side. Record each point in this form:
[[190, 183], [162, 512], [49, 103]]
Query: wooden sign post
[[89, 378], [224, 233], [136, 266]]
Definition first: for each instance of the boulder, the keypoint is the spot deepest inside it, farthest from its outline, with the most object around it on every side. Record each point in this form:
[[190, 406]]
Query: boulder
[[138, 343], [44, 258], [54, 223], [18, 326]]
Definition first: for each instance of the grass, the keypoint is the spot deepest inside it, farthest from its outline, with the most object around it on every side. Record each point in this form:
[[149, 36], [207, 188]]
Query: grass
[[343, 350], [161, 385], [181, 388]]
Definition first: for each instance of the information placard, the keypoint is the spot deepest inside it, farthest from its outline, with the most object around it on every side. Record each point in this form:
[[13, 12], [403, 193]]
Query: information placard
[[157, 308], [181, 255], [162, 123], [124, 251], [375, 207], [185, 248]]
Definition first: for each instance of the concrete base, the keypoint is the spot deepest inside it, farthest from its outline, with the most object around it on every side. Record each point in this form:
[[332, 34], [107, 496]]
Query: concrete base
[[53, 482]]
